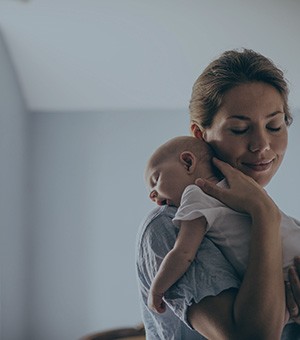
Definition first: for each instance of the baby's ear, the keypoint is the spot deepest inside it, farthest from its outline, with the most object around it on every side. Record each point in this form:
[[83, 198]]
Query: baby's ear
[[188, 159]]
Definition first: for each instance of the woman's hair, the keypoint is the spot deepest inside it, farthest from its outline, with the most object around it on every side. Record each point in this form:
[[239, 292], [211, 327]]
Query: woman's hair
[[231, 69]]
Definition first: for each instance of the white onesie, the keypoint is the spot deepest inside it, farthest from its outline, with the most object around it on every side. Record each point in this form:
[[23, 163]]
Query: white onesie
[[230, 230]]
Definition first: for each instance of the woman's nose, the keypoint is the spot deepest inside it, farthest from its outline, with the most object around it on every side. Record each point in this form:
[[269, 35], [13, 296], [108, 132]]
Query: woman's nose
[[153, 195], [259, 142]]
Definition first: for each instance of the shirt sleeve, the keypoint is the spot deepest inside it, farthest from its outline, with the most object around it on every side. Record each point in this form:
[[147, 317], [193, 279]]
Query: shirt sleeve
[[208, 275]]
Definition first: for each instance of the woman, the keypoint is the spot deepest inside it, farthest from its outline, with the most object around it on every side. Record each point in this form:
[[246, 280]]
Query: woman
[[239, 106]]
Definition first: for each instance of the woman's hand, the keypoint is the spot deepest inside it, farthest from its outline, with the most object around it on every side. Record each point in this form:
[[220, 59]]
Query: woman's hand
[[243, 194], [293, 291], [262, 285]]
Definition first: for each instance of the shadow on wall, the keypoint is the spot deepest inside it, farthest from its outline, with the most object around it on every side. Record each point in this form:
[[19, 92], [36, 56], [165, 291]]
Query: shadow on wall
[[14, 120]]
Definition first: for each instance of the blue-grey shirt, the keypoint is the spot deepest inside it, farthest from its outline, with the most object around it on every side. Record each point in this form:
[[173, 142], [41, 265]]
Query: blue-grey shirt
[[209, 274]]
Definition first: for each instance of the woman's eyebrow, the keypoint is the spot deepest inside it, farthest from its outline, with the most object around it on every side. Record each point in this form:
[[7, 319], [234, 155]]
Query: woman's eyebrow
[[275, 113], [243, 117]]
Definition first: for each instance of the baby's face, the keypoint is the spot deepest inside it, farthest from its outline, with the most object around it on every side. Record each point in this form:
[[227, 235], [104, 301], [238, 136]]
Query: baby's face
[[166, 182]]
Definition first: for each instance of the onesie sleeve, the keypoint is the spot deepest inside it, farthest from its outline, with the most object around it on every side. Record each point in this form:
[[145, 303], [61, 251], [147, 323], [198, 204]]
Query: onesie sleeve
[[195, 203]]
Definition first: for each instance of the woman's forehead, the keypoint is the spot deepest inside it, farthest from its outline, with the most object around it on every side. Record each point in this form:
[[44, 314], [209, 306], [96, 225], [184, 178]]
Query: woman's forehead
[[248, 101]]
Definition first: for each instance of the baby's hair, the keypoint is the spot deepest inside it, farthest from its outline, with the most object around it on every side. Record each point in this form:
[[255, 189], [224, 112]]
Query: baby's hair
[[177, 145]]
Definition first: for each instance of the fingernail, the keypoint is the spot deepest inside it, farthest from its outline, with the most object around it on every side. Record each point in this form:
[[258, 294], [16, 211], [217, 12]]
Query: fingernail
[[200, 181]]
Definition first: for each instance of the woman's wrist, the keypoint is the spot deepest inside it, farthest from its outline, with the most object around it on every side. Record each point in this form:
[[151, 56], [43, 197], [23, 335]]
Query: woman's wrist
[[264, 210]]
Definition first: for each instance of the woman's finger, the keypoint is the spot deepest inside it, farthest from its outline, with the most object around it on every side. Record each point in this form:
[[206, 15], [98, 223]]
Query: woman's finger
[[226, 169], [230, 172], [240, 193], [211, 189]]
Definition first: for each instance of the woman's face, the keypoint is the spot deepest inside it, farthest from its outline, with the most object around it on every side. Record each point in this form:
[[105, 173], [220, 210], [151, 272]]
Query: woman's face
[[249, 130]]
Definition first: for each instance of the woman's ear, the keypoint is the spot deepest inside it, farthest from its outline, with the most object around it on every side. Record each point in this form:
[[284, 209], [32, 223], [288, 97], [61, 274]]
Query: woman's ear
[[188, 160], [196, 131]]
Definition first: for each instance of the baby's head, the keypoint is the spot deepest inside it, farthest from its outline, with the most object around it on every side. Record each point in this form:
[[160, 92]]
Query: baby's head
[[175, 165]]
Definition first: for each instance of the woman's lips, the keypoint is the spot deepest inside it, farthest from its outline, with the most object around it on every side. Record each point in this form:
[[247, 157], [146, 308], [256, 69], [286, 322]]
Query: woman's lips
[[259, 166]]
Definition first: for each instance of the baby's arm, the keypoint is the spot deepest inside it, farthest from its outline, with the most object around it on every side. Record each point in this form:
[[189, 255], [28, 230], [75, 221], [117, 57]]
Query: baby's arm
[[177, 261]]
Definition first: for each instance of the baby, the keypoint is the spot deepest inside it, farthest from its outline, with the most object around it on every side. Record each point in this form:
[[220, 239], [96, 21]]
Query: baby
[[170, 176]]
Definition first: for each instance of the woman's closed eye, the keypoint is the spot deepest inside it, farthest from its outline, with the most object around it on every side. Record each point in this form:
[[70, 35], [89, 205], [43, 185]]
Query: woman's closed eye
[[274, 129], [276, 124], [239, 131]]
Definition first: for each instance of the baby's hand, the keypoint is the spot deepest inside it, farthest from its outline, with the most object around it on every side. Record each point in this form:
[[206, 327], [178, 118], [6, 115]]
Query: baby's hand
[[156, 303]]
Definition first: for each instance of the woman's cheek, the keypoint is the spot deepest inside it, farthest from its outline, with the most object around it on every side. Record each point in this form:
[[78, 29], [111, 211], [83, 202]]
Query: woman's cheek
[[227, 151], [284, 143]]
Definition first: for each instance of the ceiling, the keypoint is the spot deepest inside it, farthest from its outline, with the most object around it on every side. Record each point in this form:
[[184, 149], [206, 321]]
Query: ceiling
[[138, 54]]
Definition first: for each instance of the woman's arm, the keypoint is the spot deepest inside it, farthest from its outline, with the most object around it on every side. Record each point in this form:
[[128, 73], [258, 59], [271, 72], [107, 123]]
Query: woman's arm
[[257, 309], [177, 261]]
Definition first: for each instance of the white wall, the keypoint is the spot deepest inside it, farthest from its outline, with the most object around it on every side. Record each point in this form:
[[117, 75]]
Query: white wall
[[89, 199]]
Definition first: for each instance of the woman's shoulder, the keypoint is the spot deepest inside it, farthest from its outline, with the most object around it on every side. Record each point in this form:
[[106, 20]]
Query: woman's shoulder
[[157, 214], [157, 231], [160, 217]]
